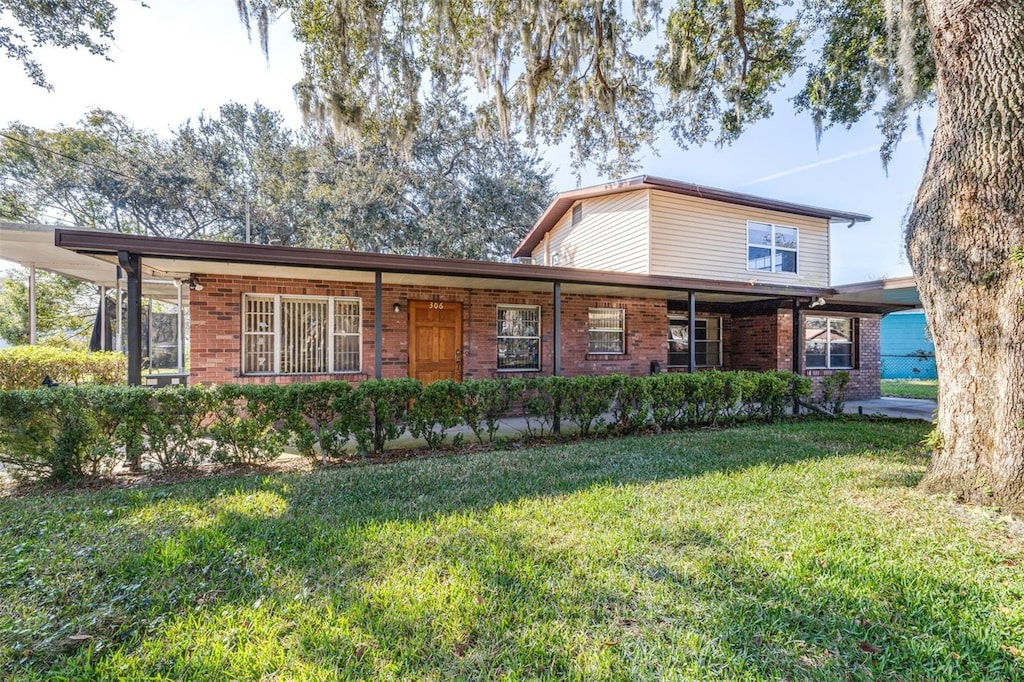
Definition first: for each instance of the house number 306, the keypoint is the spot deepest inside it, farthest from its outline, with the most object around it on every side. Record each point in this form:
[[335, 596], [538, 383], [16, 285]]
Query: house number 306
[[436, 306]]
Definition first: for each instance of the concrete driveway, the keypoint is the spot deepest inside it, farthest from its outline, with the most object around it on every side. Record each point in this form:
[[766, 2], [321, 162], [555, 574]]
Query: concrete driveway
[[908, 408]]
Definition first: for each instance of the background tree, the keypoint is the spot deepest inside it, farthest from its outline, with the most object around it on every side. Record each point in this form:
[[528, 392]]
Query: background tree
[[65, 309], [449, 194], [73, 24], [591, 72]]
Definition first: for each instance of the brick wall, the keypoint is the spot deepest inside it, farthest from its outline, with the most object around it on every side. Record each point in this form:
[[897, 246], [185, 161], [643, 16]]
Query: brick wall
[[216, 319], [757, 341]]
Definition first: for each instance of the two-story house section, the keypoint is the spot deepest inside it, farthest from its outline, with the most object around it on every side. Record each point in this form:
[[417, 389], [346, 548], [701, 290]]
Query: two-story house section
[[715, 239], [632, 277], [655, 226]]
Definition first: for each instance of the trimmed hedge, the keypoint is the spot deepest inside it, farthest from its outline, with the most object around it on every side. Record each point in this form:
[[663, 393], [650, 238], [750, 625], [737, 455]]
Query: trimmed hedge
[[69, 433], [25, 367]]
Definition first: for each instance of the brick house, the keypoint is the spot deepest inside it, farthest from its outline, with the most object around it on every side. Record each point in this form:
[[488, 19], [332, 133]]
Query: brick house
[[608, 281]]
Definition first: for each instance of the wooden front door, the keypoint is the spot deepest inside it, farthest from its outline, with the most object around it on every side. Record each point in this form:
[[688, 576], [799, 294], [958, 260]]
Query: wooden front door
[[435, 340]]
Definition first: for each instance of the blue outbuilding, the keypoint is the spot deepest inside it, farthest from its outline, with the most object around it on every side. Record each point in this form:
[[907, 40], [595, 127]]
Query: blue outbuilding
[[907, 349]]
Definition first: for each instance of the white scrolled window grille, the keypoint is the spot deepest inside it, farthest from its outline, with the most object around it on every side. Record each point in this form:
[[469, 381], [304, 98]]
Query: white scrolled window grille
[[301, 334]]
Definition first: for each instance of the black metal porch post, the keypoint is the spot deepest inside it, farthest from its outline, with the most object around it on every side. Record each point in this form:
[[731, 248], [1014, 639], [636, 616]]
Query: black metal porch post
[[798, 347], [378, 323], [556, 333], [691, 331], [131, 263]]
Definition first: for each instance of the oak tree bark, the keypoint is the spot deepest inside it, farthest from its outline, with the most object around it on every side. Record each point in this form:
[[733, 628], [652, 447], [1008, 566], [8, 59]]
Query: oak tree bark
[[968, 214]]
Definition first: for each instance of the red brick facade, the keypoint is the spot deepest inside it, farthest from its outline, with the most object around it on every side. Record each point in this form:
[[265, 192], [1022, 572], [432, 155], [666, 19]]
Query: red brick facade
[[759, 341]]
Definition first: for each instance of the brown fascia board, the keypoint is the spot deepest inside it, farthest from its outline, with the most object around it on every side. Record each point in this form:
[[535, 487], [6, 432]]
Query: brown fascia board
[[97, 242], [564, 201]]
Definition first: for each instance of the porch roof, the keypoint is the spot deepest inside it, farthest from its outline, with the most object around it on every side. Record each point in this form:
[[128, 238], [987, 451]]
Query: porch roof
[[32, 245], [169, 258], [92, 254]]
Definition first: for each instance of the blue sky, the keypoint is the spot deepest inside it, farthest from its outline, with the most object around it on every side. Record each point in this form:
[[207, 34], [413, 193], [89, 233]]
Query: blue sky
[[181, 57]]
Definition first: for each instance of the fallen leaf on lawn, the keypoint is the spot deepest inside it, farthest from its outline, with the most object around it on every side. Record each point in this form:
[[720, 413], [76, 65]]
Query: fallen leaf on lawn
[[868, 648], [954, 656], [611, 643], [1012, 650]]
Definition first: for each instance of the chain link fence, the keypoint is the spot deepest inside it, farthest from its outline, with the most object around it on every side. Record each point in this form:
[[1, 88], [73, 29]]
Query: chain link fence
[[917, 365]]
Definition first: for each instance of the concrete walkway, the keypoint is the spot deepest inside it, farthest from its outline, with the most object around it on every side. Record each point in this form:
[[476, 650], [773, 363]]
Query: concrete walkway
[[907, 408], [513, 428]]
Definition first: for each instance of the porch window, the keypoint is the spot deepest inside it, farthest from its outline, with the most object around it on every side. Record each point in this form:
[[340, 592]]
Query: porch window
[[518, 337], [708, 348], [828, 342], [771, 248], [301, 334], [607, 331]]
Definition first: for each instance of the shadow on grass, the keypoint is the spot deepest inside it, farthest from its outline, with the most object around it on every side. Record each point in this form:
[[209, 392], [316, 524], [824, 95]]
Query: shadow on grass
[[631, 558]]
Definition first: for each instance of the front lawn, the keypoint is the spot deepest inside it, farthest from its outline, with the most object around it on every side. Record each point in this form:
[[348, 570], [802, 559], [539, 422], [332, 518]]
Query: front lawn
[[927, 389], [798, 551]]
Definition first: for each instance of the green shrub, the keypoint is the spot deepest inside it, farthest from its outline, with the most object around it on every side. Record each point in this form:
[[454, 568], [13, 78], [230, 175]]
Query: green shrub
[[771, 392], [586, 399], [671, 397], [318, 415], [437, 409], [833, 392], [66, 433], [631, 408], [175, 427], [379, 411], [485, 401], [543, 398], [25, 367], [245, 422]]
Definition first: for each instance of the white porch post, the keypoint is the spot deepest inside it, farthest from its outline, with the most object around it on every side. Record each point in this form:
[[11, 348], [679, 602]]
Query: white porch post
[[32, 304], [181, 329]]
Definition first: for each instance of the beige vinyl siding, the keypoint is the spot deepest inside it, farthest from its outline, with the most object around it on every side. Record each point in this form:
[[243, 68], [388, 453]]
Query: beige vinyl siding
[[612, 235], [694, 237]]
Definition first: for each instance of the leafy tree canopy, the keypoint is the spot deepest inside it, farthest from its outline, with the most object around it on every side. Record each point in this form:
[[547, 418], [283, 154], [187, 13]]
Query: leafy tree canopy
[[450, 194], [85, 24], [605, 77]]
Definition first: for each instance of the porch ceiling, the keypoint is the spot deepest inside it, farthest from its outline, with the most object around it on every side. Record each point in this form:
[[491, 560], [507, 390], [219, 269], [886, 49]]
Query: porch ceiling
[[30, 245]]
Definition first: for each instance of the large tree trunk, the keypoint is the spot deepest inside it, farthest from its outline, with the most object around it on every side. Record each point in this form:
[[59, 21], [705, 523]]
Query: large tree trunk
[[968, 214]]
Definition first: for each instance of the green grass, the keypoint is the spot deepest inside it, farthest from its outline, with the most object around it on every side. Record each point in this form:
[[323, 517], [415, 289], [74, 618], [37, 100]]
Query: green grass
[[911, 388], [797, 551]]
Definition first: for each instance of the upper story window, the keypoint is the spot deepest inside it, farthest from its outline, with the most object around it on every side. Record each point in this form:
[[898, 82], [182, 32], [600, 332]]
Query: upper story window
[[607, 330], [577, 214], [708, 342], [771, 248], [518, 337], [829, 342], [301, 334]]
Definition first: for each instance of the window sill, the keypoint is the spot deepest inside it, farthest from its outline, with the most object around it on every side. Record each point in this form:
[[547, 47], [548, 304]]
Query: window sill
[[515, 370], [607, 356]]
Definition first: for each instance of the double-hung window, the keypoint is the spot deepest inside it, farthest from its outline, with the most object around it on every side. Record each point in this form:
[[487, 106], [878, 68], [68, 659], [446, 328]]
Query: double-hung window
[[518, 337], [301, 334], [771, 248], [607, 331], [708, 342], [828, 342]]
